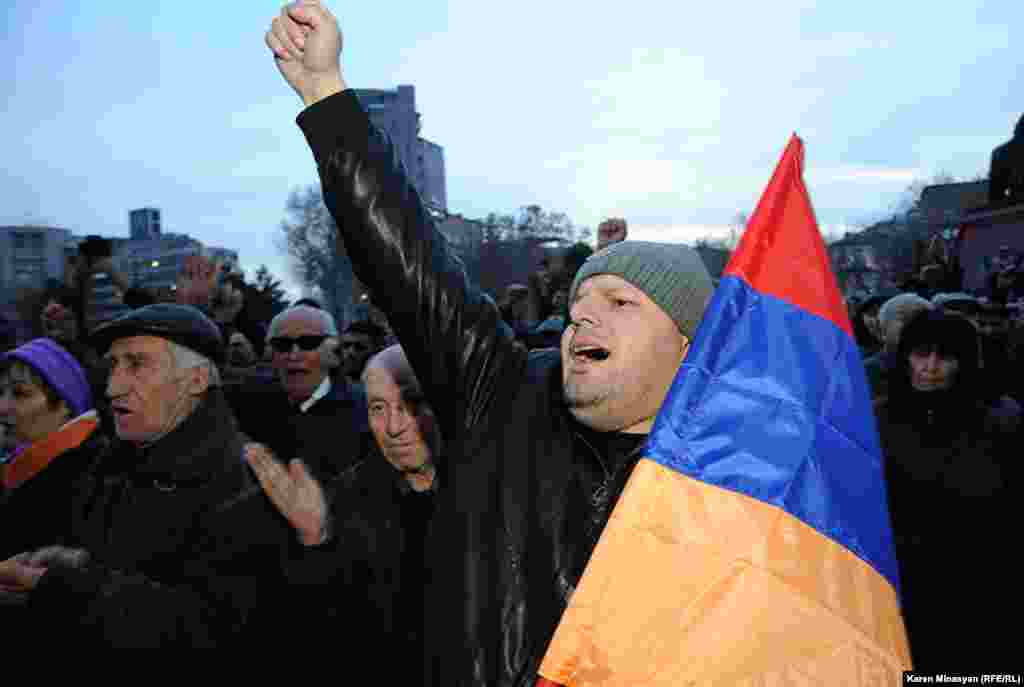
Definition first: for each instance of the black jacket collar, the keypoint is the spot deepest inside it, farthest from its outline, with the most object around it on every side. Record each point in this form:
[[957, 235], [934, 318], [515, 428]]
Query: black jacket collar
[[201, 446]]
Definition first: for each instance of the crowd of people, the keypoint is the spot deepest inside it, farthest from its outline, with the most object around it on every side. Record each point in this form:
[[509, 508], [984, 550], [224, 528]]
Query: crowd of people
[[944, 370], [435, 483]]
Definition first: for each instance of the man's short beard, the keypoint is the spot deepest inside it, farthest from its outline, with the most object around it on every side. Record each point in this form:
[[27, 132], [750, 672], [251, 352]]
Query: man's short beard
[[596, 408], [588, 412], [578, 397]]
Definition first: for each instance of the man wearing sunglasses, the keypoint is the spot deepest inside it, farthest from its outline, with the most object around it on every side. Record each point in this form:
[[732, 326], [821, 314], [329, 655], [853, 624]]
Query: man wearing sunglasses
[[307, 413], [358, 578]]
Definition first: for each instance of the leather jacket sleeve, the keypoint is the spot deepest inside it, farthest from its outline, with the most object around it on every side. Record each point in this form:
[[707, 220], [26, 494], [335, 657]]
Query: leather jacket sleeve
[[451, 331]]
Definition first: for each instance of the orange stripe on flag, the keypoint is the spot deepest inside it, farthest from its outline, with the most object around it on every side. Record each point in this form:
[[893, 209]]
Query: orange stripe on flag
[[692, 584]]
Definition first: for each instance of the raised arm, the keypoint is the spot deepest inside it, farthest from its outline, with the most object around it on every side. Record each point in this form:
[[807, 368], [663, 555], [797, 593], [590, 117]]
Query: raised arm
[[451, 332]]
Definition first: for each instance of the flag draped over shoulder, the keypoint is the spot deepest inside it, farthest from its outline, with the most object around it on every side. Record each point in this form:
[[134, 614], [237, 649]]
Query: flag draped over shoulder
[[752, 544]]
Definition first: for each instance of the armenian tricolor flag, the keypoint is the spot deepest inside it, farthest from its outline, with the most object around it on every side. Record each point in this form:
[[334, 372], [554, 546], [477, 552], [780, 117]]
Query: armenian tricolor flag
[[752, 544]]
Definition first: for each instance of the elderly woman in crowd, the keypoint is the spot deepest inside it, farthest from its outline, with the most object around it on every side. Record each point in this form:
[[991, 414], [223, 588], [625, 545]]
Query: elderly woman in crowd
[[46, 401], [946, 457], [892, 317]]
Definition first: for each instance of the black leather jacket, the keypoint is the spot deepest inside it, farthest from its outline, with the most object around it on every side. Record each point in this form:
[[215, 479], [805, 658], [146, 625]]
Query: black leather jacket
[[523, 494]]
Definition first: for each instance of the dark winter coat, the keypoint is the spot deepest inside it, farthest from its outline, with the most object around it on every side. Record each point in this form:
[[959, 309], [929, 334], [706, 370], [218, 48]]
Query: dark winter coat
[[365, 587], [330, 437], [36, 514], [183, 544], [525, 493], [947, 456]]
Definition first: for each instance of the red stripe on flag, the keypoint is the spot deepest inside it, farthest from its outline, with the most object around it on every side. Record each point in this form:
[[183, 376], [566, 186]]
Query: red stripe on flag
[[782, 253]]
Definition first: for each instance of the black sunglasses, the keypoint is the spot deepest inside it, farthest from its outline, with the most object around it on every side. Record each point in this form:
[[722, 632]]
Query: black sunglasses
[[308, 342]]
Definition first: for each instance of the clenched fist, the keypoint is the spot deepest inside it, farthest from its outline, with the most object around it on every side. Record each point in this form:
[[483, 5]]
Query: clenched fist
[[306, 43]]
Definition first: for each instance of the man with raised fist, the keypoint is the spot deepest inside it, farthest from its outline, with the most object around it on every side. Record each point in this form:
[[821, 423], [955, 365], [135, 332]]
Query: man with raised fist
[[538, 446]]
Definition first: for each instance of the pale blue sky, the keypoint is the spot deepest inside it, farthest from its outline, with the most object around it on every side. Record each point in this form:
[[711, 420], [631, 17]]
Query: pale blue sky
[[669, 114]]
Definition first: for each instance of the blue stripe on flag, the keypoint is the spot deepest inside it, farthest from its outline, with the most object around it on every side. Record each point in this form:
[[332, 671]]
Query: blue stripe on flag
[[772, 402]]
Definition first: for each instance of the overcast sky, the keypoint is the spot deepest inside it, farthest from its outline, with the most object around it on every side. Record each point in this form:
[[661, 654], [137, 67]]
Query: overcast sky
[[672, 115]]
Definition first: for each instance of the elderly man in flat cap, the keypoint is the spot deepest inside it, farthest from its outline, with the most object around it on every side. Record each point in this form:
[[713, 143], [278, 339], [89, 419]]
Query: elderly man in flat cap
[[168, 543]]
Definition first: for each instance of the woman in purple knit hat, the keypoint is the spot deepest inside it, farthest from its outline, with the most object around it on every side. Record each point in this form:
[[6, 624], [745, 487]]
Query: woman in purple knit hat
[[47, 405]]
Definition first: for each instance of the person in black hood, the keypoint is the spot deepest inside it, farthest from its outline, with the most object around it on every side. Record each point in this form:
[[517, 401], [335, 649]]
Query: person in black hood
[[893, 315], [1006, 172], [945, 465]]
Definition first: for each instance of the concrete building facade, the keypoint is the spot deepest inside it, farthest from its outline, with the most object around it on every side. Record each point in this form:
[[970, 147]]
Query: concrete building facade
[[29, 256], [431, 180], [394, 112], [145, 224]]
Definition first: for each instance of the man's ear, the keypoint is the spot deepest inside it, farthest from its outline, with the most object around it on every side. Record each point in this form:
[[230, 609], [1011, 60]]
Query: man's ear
[[198, 380], [684, 347]]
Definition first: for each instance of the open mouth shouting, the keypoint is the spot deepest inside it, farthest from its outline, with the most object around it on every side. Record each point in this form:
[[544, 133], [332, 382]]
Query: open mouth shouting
[[120, 412], [587, 350]]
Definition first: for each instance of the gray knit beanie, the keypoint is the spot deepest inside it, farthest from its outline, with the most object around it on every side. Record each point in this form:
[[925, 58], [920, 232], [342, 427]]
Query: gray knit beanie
[[671, 274]]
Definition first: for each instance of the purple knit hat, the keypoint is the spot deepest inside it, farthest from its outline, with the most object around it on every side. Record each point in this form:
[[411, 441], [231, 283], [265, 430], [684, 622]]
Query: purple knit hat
[[59, 369]]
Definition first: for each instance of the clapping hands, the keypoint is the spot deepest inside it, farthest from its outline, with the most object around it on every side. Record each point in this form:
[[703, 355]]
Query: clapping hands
[[293, 491]]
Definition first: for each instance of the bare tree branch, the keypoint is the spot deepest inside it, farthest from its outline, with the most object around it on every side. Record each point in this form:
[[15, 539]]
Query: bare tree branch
[[310, 239]]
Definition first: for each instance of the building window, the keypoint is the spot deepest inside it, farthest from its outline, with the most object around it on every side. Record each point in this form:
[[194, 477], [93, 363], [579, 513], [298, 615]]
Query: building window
[[26, 276]]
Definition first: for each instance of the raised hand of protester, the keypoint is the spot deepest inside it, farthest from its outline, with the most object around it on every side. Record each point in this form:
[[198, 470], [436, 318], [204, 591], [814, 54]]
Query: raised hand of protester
[[306, 43], [59, 323], [293, 491], [55, 313], [196, 282], [610, 231]]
